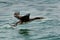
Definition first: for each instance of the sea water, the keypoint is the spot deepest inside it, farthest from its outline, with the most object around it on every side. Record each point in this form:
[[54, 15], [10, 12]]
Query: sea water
[[45, 29]]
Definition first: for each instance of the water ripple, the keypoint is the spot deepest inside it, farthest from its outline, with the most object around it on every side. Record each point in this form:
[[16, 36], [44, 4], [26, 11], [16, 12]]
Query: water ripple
[[52, 22], [4, 4]]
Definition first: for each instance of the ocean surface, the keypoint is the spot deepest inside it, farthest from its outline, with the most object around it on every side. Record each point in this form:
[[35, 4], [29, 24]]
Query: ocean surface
[[45, 29]]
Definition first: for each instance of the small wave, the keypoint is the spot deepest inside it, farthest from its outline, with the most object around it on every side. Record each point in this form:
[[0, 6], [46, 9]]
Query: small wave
[[4, 4], [48, 37], [52, 22], [3, 32], [3, 20], [51, 1], [3, 37]]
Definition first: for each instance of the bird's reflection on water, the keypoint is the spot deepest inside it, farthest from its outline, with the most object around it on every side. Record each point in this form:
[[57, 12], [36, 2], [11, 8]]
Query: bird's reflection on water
[[24, 31]]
